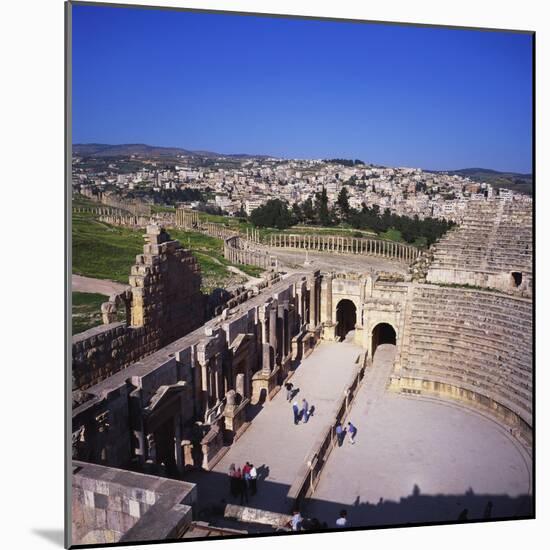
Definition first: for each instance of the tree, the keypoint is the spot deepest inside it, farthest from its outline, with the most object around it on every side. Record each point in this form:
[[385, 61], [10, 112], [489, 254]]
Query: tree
[[343, 203], [308, 212], [297, 214], [321, 206], [274, 213]]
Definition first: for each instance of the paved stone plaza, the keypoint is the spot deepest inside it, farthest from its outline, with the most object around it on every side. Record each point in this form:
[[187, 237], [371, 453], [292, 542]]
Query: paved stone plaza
[[294, 259], [272, 442], [418, 459]]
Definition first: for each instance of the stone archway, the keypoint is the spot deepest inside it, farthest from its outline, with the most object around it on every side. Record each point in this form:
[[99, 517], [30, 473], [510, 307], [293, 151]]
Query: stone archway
[[346, 318], [383, 333]]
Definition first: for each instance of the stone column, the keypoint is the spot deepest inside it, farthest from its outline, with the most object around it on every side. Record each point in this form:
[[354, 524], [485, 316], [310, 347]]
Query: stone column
[[299, 301], [177, 443], [151, 449], [141, 451], [273, 325], [284, 330], [328, 301]]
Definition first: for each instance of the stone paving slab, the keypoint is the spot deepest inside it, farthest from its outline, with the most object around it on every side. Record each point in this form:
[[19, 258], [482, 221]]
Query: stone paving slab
[[272, 442], [418, 459], [295, 258]]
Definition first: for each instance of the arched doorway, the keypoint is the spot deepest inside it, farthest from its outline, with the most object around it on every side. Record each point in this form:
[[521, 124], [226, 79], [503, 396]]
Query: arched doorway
[[383, 333], [346, 317]]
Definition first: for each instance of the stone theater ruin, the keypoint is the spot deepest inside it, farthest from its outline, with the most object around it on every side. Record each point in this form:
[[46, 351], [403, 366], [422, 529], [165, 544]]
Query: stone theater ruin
[[164, 398]]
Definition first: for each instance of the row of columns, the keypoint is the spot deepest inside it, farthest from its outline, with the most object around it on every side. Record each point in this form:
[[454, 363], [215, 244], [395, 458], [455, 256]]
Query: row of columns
[[100, 211], [308, 298], [276, 333], [186, 218], [253, 235], [131, 221], [236, 255], [138, 209], [387, 249], [147, 445]]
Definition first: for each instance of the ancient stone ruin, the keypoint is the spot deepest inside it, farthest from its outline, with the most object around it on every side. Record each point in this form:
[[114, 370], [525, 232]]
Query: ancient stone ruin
[[166, 393], [163, 303]]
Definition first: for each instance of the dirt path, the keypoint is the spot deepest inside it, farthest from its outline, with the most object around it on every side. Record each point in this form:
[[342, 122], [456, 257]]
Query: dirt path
[[100, 286], [250, 281]]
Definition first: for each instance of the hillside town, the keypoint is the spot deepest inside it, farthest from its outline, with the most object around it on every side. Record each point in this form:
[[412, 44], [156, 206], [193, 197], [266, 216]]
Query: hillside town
[[235, 185]]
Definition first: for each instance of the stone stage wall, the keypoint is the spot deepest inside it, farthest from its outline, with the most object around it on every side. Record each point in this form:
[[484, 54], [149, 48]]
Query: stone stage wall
[[177, 407]]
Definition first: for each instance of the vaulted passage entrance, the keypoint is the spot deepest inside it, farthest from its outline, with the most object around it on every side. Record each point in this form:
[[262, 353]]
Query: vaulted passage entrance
[[383, 333], [346, 317]]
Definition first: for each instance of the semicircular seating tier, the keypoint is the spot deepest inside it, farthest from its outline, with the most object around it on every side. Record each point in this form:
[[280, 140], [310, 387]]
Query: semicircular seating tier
[[473, 346], [492, 248]]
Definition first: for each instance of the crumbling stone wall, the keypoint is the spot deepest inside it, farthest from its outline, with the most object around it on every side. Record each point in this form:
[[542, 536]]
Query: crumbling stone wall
[[165, 303], [165, 284]]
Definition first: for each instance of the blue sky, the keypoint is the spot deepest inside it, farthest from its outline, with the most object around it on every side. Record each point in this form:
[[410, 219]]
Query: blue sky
[[386, 94]]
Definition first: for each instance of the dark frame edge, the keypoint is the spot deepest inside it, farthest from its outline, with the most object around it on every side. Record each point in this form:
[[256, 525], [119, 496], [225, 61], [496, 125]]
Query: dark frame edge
[[294, 16], [68, 270], [534, 274]]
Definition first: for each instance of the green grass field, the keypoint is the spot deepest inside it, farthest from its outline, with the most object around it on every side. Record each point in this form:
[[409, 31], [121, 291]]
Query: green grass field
[[86, 310], [103, 251]]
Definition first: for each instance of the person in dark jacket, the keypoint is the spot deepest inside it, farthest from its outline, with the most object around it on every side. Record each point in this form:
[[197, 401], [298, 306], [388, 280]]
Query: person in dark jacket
[[296, 412], [289, 386]]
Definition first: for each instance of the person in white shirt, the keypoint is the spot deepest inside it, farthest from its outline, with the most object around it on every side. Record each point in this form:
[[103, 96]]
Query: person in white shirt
[[342, 521], [253, 477], [295, 521]]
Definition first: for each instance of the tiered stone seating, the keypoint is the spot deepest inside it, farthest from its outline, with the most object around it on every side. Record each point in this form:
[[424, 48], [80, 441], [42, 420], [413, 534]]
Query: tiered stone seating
[[474, 340], [494, 239], [513, 246]]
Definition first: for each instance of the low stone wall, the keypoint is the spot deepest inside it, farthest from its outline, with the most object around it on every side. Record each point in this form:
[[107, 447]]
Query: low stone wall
[[246, 514], [470, 397], [104, 350]]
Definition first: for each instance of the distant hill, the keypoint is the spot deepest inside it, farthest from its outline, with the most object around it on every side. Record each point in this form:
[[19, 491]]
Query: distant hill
[[520, 183], [143, 150]]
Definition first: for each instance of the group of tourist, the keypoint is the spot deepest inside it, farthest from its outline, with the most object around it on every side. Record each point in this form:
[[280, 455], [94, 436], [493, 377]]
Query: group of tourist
[[301, 413], [243, 481], [341, 433]]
